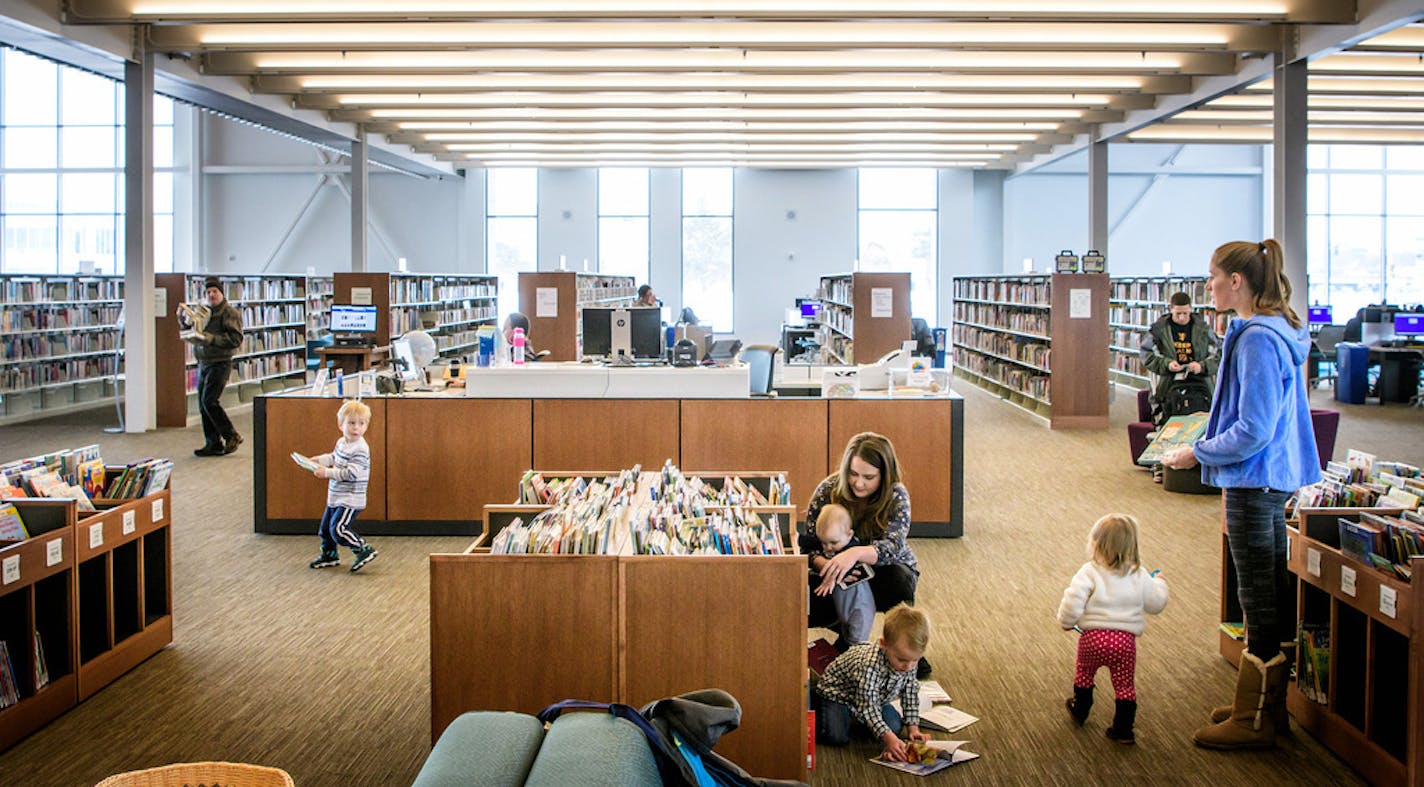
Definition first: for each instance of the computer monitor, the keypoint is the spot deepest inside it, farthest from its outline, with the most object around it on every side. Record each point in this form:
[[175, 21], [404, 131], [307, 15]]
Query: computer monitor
[[810, 309], [406, 369], [1408, 323], [353, 319], [631, 332], [1321, 315]]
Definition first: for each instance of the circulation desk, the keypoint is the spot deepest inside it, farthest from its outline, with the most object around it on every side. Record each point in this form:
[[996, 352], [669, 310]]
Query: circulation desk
[[438, 458]]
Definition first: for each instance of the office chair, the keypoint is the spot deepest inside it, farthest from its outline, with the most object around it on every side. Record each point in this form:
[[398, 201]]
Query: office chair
[[761, 365], [924, 338], [1325, 341]]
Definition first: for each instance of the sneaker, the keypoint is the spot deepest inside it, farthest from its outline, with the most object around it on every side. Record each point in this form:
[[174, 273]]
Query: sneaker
[[1157, 473], [364, 555], [208, 450], [922, 670], [232, 443], [326, 560]]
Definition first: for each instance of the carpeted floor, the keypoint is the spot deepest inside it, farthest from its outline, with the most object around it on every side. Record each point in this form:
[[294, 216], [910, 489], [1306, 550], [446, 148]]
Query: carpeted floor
[[325, 674]]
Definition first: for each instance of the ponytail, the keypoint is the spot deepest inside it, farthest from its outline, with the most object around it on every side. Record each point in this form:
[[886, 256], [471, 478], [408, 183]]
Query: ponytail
[[1262, 265]]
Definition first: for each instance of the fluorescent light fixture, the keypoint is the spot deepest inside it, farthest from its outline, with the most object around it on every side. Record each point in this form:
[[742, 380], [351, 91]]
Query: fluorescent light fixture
[[432, 130], [639, 113], [722, 99], [844, 82], [1168, 132], [966, 142]]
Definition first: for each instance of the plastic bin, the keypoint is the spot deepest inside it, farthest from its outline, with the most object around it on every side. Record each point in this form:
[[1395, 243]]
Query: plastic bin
[[1352, 361]]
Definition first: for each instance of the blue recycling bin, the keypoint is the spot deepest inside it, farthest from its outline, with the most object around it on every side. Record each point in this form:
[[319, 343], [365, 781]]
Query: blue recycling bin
[[1352, 361]]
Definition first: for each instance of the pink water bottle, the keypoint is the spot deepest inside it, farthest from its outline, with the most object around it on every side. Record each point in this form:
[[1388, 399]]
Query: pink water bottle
[[517, 339]]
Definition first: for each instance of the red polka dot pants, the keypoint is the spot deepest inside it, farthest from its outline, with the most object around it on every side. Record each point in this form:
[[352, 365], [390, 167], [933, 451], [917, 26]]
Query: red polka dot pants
[[1116, 650]]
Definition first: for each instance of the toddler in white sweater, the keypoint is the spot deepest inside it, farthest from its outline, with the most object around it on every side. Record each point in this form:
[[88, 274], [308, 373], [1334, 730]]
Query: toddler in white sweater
[[1108, 601]]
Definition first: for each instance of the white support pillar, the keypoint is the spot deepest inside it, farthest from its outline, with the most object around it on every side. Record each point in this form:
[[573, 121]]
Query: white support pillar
[[360, 190], [140, 397], [188, 188], [1098, 195], [1289, 173]]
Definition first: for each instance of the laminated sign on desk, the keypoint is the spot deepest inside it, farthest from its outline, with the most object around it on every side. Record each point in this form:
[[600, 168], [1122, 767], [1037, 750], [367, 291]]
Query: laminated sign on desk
[[838, 383]]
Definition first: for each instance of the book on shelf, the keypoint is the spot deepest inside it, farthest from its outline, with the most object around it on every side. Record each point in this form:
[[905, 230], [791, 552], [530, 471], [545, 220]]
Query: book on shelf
[[41, 668], [9, 688], [12, 525], [1313, 671], [1178, 432], [929, 757], [1235, 630], [139, 479]]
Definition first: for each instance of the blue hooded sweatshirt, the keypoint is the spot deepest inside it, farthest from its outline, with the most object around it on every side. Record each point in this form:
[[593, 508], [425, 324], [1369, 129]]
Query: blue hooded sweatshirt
[[1260, 433]]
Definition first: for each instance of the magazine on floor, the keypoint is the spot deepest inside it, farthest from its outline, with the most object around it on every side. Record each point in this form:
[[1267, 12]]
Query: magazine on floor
[[946, 754]]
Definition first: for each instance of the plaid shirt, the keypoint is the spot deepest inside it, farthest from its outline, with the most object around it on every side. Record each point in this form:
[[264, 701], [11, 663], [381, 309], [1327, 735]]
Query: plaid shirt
[[863, 680]]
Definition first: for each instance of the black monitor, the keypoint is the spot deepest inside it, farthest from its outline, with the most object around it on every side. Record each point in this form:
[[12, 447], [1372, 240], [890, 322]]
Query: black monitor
[[635, 332], [1321, 315]]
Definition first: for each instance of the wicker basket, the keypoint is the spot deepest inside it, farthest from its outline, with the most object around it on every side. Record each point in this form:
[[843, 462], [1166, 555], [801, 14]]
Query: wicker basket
[[202, 774]]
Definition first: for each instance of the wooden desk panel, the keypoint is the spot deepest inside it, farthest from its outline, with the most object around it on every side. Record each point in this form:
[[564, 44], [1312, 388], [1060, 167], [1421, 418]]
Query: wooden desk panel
[[922, 433], [450, 458], [701, 637], [758, 434], [520, 632], [308, 426], [604, 434]]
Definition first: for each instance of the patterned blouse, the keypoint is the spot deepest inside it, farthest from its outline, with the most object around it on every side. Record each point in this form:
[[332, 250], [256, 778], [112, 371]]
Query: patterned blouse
[[891, 548]]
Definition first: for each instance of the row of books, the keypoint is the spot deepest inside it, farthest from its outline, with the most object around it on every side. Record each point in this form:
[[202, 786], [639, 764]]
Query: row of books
[[62, 288], [1360, 482], [1384, 542], [43, 317], [252, 288], [140, 479], [9, 686], [1158, 290], [1025, 381], [32, 374], [467, 314], [1004, 345], [43, 346], [261, 367], [81, 474], [1313, 669], [658, 530], [1032, 291], [272, 315], [671, 485], [1035, 322], [1128, 364], [840, 290], [261, 342], [423, 289]]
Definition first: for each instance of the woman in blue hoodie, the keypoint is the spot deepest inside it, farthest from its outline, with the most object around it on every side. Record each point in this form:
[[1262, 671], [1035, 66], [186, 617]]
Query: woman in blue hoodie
[[1259, 448]]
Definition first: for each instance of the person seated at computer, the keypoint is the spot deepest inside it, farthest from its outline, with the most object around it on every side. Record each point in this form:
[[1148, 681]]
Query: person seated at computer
[[517, 320], [646, 296]]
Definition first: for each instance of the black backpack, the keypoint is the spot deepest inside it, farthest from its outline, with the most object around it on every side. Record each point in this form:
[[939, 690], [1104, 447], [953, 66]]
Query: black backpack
[[1191, 394]]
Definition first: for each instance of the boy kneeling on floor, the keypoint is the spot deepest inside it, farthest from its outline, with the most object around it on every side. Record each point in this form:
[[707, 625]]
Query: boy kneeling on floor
[[855, 692]]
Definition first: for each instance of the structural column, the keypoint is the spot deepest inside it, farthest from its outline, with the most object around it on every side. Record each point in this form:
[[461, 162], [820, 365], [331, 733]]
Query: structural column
[[1098, 195], [360, 188], [140, 397], [1289, 172]]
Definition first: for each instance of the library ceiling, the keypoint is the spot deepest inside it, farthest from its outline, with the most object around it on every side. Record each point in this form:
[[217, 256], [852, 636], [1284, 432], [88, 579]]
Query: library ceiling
[[795, 83]]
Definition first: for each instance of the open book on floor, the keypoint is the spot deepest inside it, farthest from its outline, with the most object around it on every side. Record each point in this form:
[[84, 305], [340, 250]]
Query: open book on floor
[[935, 711], [945, 754]]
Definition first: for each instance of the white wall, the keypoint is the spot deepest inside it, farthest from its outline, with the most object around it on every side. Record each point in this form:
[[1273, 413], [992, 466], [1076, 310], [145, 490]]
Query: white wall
[[568, 218]]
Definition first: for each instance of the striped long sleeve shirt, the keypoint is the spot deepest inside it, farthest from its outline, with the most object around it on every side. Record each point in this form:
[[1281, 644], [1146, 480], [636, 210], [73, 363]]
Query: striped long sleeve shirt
[[352, 463], [863, 680]]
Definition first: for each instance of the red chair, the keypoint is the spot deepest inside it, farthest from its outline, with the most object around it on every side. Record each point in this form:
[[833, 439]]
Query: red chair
[[1138, 430]]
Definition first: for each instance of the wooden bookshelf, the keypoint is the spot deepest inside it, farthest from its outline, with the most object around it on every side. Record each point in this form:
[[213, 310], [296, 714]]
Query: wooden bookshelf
[[450, 307], [1010, 332], [60, 343], [1373, 709], [561, 333], [273, 354], [1134, 304], [849, 331]]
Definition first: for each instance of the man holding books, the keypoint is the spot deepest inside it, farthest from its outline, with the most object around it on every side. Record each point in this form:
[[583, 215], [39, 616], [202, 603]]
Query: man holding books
[[1179, 342], [215, 331]]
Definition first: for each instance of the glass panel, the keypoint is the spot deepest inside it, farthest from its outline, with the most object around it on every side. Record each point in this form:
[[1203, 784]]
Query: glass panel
[[31, 90], [1405, 195], [512, 192], [1356, 270], [1356, 156], [1317, 264], [162, 146], [1405, 156], [1356, 194], [1404, 275], [622, 192], [163, 192], [1317, 193], [163, 244], [623, 247], [707, 192], [162, 111], [29, 244], [31, 193], [87, 192], [87, 239], [707, 269], [1317, 156], [30, 148], [88, 146], [898, 188], [903, 241], [512, 247], [86, 99]]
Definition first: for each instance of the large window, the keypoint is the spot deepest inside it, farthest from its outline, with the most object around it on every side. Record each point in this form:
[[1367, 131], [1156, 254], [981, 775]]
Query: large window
[[623, 222], [898, 209], [707, 245], [511, 229], [61, 170], [1366, 226]]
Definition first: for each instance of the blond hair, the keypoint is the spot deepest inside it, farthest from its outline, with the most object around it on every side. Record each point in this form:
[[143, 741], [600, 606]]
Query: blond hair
[[353, 408], [872, 515], [1112, 543], [1262, 266], [904, 623], [833, 516]]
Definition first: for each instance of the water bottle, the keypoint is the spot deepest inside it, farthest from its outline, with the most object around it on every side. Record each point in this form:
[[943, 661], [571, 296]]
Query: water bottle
[[340, 387], [518, 341]]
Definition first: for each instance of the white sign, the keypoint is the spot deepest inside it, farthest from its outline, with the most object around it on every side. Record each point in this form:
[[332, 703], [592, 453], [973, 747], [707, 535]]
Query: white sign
[[360, 296], [129, 525], [1347, 581], [160, 302], [368, 387], [882, 302], [1388, 601], [96, 536], [319, 384], [157, 510], [1312, 561], [1080, 304], [12, 569], [54, 552], [546, 302]]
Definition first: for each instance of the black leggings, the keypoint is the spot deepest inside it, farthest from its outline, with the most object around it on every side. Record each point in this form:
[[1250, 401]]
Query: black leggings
[[891, 585]]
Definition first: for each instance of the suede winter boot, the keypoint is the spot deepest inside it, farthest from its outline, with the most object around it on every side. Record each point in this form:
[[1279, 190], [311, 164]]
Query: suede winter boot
[[1079, 704], [1275, 704], [1250, 725], [1124, 717]]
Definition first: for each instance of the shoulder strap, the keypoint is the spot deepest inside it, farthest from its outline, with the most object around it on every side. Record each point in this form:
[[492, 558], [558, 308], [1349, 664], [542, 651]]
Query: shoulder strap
[[670, 766]]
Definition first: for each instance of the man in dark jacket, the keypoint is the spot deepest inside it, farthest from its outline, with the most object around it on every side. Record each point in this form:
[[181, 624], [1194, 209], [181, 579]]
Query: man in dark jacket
[[1179, 342], [214, 341]]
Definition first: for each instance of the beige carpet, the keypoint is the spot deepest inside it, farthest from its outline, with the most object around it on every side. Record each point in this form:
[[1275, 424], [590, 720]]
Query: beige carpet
[[326, 674]]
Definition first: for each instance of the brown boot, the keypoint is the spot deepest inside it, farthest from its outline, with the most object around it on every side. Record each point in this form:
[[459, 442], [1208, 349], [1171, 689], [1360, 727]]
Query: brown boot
[[1275, 704], [1250, 725]]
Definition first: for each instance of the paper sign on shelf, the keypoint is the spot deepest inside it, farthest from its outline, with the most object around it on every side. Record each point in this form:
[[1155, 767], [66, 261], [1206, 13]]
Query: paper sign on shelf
[[1312, 561], [1080, 304], [160, 303], [360, 296], [96, 535], [157, 510], [54, 552], [129, 525], [1347, 581], [546, 302], [882, 301], [1389, 601], [12, 569]]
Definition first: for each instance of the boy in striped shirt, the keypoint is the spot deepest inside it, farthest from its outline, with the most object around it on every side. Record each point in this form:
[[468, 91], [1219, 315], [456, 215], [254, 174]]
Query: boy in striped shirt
[[348, 467]]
